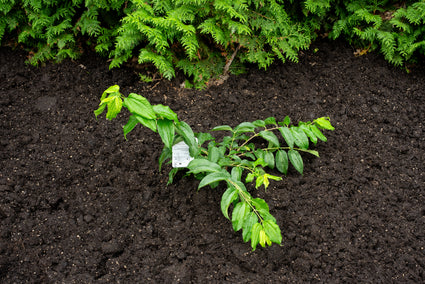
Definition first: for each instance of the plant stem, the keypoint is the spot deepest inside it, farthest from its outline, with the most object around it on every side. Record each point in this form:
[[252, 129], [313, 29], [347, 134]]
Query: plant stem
[[229, 62], [247, 199], [256, 135]]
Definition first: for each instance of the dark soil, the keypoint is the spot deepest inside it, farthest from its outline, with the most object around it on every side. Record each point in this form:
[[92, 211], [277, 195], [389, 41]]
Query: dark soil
[[79, 204]]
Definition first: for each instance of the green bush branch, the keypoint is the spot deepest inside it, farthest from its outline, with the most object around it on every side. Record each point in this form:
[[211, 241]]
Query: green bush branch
[[233, 159], [207, 39]]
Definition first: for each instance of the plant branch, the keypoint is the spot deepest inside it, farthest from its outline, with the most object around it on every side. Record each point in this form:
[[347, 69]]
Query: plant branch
[[229, 62]]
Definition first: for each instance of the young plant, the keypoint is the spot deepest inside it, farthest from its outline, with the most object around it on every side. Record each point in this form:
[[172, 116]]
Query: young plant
[[247, 154]]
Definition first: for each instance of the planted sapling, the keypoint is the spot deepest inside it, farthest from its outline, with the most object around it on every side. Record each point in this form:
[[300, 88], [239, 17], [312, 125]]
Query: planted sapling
[[237, 159]]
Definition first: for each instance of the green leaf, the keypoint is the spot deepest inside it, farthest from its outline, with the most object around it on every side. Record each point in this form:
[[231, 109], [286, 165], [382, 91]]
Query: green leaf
[[244, 127], [287, 135], [240, 186], [309, 133], [296, 160], [222, 128], [272, 231], [270, 136], [264, 239], [236, 173], [324, 123], [301, 139], [166, 131], [313, 152], [230, 195], [250, 155], [269, 159], [111, 89], [109, 99], [259, 153], [259, 123], [273, 177], [250, 220], [171, 175], [318, 133], [149, 123], [259, 181], [165, 112], [239, 214], [166, 154], [270, 120], [259, 161], [282, 161], [203, 137], [267, 216], [113, 101], [184, 130], [132, 122], [100, 109], [225, 162], [255, 235], [114, 107], [197, 166], [260, 205], [214, 154], [249, 177], [213, 177], [139, 105], [287, 120], [235, 158]]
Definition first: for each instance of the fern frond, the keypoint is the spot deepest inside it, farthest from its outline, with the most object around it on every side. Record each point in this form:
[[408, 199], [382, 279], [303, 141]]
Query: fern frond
[[368, 17], [416, 13], [388, 44], [120, 58], [278, 13], [128, 38], [317, 6], [203, 70], [163, 63], [53, 31], [2, 28], [66, 53], [65, 39], [237, 27], [105, 41], [63, 12], [212, 27], [192, 2], [184, 13], [338, 27], [43, 53], [35, 5], [235, 9], [6, 6], [162, 6], [398, 23], [190, 43], [39, 22], [89, 23]]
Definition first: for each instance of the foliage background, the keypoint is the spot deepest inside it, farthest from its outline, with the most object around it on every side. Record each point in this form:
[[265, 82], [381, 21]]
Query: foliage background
[[208, 38]]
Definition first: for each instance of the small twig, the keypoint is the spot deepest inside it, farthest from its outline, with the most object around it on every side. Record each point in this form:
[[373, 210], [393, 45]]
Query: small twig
[[227, 66], [223, 77]]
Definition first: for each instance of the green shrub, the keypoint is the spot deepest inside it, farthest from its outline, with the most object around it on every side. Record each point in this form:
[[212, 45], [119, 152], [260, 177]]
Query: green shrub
[[208, 39], [53, 29], [10, 17], [200, 37], [237, 159], [397, 31]]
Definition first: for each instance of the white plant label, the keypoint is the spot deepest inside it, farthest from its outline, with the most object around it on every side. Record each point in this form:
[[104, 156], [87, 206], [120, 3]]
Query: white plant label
[[181, 157]]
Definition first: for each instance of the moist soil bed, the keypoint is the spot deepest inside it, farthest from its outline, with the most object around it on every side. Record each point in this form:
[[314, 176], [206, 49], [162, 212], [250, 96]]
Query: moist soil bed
[[79, 204]]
